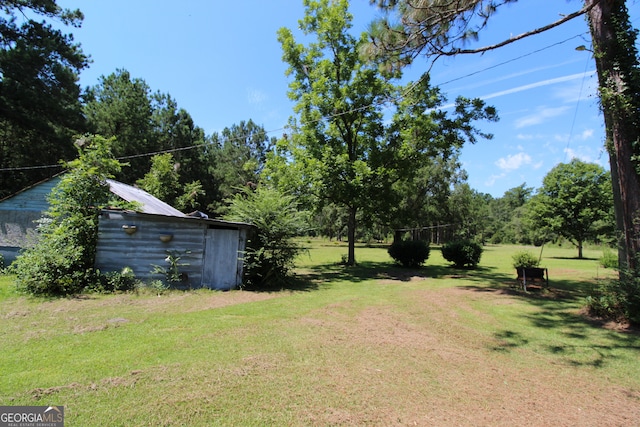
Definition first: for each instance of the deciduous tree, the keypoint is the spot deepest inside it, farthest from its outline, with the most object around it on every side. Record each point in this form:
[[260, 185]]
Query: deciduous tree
[[351, 158], [61, 263], [338, 97], [574, 199], [435, 28]]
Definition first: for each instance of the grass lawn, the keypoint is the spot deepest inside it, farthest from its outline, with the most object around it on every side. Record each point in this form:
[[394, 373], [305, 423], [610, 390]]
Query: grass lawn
[[368, 345]]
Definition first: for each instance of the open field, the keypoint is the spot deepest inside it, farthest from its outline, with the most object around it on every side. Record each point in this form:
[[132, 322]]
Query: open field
[[371, 345]]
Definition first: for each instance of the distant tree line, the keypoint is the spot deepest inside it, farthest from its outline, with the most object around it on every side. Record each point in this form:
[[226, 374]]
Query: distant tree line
[[364, 158], [361, 175]]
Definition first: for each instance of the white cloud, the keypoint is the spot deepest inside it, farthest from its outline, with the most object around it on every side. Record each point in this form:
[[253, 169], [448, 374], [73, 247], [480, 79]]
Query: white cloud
[[256, 96], [574, 154], [540, 116], [513, 162], [534, 85], [512, 75], [493, 178], [561, 137], [578, 91], [586, 134]]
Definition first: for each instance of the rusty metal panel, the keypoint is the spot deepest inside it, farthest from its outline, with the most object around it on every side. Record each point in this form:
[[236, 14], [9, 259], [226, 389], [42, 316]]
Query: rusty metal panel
[[210, 249], [144, 248]]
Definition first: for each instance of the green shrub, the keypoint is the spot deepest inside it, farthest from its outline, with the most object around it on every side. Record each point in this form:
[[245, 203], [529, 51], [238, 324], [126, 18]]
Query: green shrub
[[61, 262], [525, 259], [113, 281], [617, 299], [609, 259], [409, 253], [52, 268], [462, 253], [172, 272], [270, 249], [158, 287]]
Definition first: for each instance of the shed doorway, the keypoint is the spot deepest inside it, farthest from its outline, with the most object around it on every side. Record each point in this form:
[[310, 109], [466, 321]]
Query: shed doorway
[[220, 266]]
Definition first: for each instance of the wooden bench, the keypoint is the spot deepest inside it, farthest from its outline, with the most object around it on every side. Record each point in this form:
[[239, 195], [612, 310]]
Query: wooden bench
[[531, 275]]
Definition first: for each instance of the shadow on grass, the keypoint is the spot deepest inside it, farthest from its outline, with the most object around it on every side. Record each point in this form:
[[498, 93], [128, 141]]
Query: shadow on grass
[[571, 339], [368, 270], [555, 329], [321, 275], [318, 276], [560, 328], [298, 283], [573, 258]]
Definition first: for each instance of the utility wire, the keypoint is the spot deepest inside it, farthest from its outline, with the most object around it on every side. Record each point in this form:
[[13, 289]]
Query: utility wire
[[399, 97], [575, 114]]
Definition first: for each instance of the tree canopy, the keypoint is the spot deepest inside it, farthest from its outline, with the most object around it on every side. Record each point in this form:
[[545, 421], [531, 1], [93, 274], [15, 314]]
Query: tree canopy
[[39, 92], [352, 157], [434, 28], [339, 100], [575, 202]]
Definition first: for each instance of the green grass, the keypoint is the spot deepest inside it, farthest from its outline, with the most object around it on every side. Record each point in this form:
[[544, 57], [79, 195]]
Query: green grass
[[373, 344]]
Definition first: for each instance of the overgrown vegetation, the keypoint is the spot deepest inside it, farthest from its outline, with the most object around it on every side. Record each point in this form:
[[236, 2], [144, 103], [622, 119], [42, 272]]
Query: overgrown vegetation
[[609, 259], [462, 253], [61, 263], [171, 273], [525, 259], [617, 299], [113, 281], [409, 253], [271, 250]]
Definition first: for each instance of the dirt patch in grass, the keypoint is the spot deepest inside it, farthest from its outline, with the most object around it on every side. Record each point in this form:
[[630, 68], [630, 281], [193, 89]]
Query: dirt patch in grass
[[424, 367], [426, 355], [173, 301]]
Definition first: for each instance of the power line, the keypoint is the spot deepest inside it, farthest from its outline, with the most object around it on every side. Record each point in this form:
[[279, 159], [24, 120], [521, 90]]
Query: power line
[[404, 94], [575, 114], [513, 59]]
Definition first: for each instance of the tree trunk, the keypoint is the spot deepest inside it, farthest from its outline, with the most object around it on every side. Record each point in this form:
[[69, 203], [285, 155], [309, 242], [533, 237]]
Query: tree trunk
[[580, 249], [616, 63], [351, 231]]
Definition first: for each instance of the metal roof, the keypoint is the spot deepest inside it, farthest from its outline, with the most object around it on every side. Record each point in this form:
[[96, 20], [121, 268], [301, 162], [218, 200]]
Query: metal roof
[[217, 223], [148, 203], [35, 198]]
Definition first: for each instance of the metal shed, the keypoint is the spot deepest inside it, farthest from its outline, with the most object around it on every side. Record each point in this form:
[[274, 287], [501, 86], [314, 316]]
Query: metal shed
[[210, 249], [19, 214]]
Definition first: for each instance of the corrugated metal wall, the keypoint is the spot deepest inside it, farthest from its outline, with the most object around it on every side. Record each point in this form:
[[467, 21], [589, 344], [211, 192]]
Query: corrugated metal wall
[[18, 216], [143, 249], [31, 199]]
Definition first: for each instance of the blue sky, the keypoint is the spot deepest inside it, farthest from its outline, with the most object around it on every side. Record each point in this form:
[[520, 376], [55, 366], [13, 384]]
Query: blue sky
[[222, 63]]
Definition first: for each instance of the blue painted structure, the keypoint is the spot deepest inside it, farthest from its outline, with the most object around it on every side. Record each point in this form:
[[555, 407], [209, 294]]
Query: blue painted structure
[[19, 214], [211, 249]]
